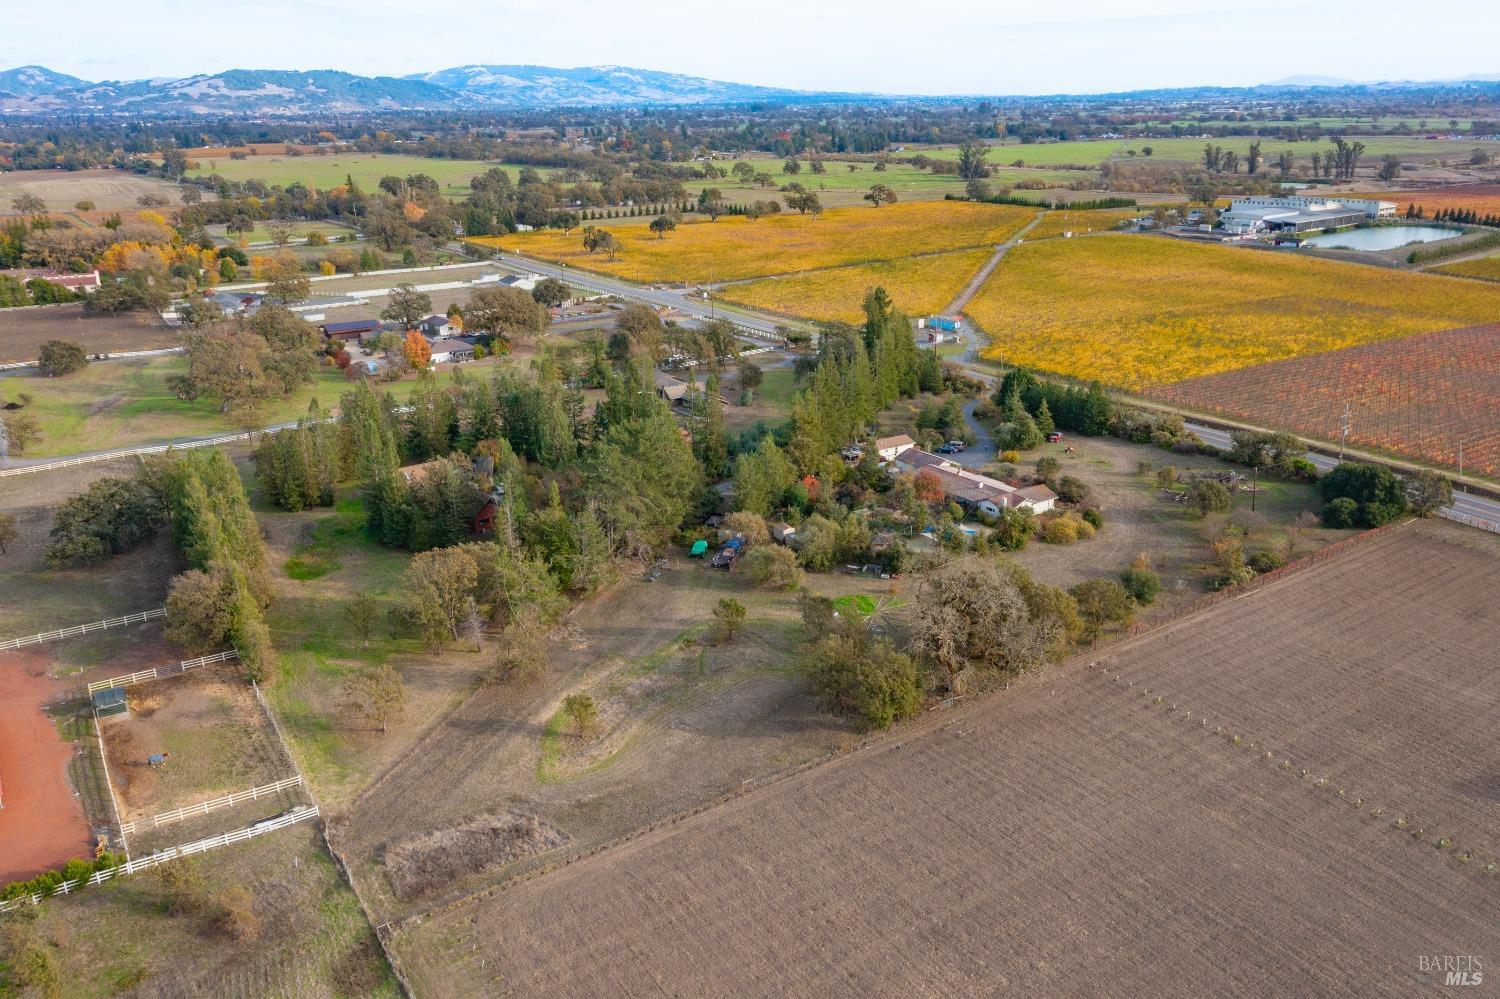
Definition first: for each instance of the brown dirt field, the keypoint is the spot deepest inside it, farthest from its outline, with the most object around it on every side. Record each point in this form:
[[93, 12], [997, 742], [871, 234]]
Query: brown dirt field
[[110, 190], [23, 331], [42, 825], [692, 738], [1075, 836], [209, 721]]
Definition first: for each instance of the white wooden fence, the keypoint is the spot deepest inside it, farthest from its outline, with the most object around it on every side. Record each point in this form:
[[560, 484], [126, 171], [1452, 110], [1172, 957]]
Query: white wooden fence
[[109, 355], [300, 814], [204, 807], [82, 629], [50, 466], [1466, 518], [157, 672]]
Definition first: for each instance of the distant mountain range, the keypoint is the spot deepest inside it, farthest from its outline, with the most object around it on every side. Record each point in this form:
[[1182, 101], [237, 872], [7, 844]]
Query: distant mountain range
[[1308, 81], [36, 89]]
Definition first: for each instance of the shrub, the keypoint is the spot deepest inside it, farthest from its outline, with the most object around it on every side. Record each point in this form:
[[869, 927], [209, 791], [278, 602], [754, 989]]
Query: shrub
[[729, 619], [1205, 496], [1267, 561], [61, 357], [1093, 517], [1101, 601], [866, 679], [1299, 470], [1379, 493], [1142, 584], [1341, 512], [1011, 456], [773, 565], [1058, 531], [113, 515], [1072, 490]]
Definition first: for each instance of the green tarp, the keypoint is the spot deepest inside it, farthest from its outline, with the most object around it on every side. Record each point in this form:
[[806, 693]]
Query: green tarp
[[699, 549]]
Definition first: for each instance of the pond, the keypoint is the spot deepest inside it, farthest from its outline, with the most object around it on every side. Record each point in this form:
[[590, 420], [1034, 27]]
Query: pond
[[1383, 237]]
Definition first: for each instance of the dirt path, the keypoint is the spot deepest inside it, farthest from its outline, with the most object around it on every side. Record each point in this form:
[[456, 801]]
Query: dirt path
[[42, 824], [972, 288]]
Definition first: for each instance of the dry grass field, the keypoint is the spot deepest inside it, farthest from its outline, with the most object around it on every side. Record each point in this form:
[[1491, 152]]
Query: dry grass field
[[1419, 397], [735, 248], [109, 190], [1291, 792], [219, 739], [313, 941], [23, 331], [682, 723], [1078, 222], [919, 285], [1135, 311]]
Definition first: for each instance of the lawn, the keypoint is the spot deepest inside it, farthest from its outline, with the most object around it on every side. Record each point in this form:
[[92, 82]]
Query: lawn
[[324, 172], [736, 248], [1134, 311], [918, 285], [128, 402]]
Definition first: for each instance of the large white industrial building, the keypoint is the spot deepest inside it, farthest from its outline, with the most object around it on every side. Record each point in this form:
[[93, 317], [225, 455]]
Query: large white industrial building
[[1300, 214]]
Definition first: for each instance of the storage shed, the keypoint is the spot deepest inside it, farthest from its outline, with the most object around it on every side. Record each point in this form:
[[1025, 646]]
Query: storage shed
[[110, 701]]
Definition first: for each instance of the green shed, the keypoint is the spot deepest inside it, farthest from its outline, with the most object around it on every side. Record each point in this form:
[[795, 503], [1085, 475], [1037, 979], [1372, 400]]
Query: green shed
[[699, 549], [110, 701]]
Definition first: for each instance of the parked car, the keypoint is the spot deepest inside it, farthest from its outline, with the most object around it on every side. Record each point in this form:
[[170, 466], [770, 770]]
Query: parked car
[[947, 449], [1054, 437], [724, 559], [958, 445]]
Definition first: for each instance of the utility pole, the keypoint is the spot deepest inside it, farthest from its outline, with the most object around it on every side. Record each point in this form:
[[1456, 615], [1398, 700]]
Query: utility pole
[[1461, 466], [1255, 486], [1344, 432]]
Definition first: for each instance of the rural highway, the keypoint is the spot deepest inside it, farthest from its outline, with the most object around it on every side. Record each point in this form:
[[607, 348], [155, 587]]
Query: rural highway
[[1463, 503], [678, 299]]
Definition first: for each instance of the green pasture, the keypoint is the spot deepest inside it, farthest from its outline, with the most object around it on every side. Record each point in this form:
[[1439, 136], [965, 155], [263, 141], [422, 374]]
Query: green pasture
[[323, 172], [129, 402]]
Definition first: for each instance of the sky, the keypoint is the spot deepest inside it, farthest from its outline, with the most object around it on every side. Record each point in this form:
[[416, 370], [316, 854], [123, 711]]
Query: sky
[[883, 46]]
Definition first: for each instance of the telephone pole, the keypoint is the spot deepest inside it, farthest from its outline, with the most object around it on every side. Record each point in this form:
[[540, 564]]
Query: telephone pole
[[1461, 466], [1344, 432]]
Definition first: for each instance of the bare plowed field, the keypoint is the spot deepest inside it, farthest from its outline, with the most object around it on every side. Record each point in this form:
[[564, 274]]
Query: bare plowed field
[[23, 331], [1082, 836], [1420, 396]]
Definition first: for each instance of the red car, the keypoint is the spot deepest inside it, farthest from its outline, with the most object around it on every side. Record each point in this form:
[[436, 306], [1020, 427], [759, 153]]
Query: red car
[[1054, 437]]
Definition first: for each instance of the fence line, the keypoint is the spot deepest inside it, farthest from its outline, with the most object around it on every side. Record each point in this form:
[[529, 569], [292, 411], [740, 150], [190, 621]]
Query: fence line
[[49, 466], [204, 807], [81, 629], [157, 672], [299, 814], [103, 355], [1466, 518], [109, 788]]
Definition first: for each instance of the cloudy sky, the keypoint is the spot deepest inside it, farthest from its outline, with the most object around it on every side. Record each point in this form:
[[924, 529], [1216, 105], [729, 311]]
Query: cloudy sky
[[961, 46]]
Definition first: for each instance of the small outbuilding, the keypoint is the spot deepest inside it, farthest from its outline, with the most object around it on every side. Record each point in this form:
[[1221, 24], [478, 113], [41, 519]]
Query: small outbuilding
[[110, 701]]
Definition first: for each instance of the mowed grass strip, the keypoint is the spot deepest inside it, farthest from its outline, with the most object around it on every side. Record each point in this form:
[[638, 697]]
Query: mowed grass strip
[[919, 285], [735, 248], [1134, 311]]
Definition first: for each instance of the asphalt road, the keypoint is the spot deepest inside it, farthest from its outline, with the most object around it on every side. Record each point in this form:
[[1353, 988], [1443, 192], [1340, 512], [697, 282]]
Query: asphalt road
[[673, 298], [1464, 503]]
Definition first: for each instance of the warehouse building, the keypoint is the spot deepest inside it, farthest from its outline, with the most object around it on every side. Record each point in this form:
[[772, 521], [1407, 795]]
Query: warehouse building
[[1245, 217]]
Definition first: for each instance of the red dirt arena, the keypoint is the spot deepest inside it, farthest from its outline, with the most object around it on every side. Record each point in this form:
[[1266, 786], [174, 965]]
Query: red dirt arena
[[42, 825]]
